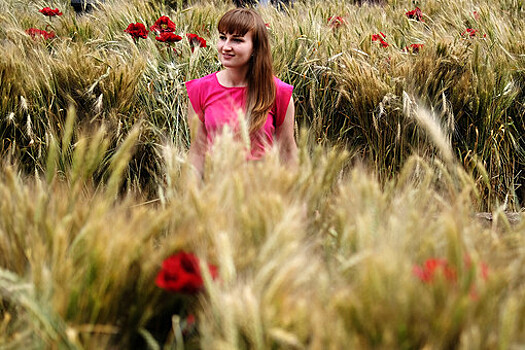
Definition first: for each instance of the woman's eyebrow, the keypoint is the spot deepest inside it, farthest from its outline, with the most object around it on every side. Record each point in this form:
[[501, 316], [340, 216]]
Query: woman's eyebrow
[[233, 35]]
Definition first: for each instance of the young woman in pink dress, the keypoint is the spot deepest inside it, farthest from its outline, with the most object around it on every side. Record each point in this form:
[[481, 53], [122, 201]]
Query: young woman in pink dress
[[247, 87]]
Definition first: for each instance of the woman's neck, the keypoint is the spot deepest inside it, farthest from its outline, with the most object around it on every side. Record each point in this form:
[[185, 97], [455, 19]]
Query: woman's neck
[[233, 77]]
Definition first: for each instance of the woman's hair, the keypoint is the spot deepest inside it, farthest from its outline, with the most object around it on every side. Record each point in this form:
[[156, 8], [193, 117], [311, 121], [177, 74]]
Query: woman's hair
[[261, 87]]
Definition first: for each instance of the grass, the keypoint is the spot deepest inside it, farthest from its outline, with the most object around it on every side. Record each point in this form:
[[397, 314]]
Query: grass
[[348, 89], [319, 256], [398, 151]]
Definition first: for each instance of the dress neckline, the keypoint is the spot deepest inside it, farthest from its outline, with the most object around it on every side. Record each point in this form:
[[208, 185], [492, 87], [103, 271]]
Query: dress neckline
[[226, 87]]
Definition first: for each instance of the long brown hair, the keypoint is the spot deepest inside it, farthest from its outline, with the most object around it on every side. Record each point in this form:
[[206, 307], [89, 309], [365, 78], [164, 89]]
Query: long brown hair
[[261, 87]]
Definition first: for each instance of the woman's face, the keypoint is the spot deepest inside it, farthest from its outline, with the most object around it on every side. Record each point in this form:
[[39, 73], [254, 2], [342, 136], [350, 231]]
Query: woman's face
[[235, 50]]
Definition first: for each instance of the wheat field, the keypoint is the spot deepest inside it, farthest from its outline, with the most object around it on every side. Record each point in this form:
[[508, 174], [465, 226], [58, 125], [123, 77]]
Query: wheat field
[[373, 240]]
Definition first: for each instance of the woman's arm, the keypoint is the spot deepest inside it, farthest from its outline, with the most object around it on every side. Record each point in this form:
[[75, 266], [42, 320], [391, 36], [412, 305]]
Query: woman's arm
[[198, 141], [285, 136]]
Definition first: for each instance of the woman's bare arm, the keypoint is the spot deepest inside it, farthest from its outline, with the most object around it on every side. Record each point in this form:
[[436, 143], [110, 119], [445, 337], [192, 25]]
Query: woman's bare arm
[[199, 140], [285, 137]]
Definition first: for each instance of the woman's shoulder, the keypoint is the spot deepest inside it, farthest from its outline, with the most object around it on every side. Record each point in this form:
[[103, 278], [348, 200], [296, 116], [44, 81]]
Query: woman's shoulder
[[282, 88], [205, 79], [281, 85], [282, 99]]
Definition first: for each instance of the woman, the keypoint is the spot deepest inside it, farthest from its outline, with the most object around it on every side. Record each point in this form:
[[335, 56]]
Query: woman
[[245, 86]]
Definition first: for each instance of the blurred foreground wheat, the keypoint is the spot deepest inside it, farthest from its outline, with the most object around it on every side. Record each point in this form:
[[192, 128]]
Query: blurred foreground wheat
[[321, 256]]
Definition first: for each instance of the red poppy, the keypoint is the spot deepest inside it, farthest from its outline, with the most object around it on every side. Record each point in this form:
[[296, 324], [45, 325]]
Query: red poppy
[[163, 25], [190, 319], [181, 273], [189, 324], [483, 273], [379, 37], [137, 30], [476, 15], [34, 33], [168, 37], [195, 41], [484, 269], [431, 268], [336, 21], [414, 48], [469, 32], [48, 11], [416, 14]]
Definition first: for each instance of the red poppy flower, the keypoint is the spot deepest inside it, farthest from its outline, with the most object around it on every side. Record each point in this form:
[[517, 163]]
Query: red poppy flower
[[189, 324], [48, 11], [195, 41], [34, 33], [137, 30], [163, 25], [483, 268], [416, 14], [190, 319], [484, 271], [469, 32], [431, 268], [476, 15], [336, 21], [181, 273], [414, 48], [168, 37], [379, 37]]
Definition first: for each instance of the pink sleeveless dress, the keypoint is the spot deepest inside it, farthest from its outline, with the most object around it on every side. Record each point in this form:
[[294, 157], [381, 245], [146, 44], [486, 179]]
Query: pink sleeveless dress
[[218, 106]]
